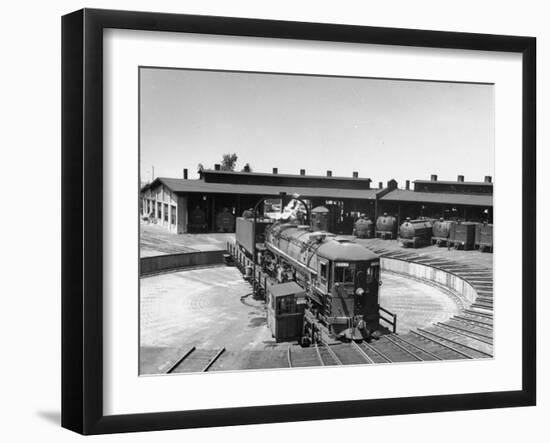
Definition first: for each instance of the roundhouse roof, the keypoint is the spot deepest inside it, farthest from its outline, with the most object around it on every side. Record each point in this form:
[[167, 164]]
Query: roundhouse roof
[[200, 186]]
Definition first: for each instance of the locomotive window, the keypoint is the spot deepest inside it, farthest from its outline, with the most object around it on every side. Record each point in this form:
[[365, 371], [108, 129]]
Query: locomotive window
[[372, 274], [343, 275], [286, 305], [324, 271]]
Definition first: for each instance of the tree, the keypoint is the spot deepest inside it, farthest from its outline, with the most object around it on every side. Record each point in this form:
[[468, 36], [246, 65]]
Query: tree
[[247, 168], [200, 167], [229, 161]]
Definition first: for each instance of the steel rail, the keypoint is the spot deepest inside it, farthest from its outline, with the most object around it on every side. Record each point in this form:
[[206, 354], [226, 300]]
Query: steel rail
[[468, 331], [441, 344], [362, 353], [178, 362], [289, 358], [478, 313], [213, 359], [388, 360], [459, 319], [473, 320], [463, 332], [425, 351], [440, 337], [319, 355], [391, 340], [333, 354]]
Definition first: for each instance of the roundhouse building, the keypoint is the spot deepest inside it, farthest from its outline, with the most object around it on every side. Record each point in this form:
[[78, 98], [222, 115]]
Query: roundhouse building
[[452, 200], [187, 205]]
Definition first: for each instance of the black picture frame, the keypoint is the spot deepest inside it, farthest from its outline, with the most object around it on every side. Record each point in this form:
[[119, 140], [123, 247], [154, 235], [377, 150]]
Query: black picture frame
[[82, 215]]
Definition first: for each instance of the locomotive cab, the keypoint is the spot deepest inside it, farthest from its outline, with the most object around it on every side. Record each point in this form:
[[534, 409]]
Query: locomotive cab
[[348, 278], [353, 299]]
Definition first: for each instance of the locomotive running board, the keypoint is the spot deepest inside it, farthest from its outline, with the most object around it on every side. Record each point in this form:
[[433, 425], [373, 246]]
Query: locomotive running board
[[293, 261]]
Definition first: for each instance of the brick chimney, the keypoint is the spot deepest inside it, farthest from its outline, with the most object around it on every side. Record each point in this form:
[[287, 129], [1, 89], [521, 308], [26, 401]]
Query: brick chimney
[[185, 174], [275, 171], [302, 172], [488, 179], [433, 178], [329, 173], [407, 185], [460, 179], [217, 167], [355, 174]]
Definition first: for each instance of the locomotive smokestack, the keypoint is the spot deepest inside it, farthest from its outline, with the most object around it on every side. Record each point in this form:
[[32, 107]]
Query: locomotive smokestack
[[488, 179], [185, 174], [355, 174], [275, 171], [407, 185], [217, 167], [302, 172], [460, 179], [329, 173], [433, 178]]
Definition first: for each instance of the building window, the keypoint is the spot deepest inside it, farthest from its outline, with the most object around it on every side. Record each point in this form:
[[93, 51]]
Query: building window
[[159, 211], [165, 212], [173, 212]]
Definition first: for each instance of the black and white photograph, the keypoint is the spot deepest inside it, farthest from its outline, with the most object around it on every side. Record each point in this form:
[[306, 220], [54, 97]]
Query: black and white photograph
[[291, 221]]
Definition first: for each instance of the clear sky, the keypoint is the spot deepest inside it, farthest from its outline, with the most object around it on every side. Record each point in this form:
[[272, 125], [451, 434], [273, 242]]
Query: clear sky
[[381, 128]]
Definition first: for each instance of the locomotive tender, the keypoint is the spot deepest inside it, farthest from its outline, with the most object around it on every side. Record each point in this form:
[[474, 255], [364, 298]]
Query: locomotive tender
[[415, 233], [340, 278]]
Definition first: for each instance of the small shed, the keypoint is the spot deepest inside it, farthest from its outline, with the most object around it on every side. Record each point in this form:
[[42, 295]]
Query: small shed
[[286, 303]]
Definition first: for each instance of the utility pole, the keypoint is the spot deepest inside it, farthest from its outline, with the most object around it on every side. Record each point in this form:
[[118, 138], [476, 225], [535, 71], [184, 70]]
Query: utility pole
[[153, 173]]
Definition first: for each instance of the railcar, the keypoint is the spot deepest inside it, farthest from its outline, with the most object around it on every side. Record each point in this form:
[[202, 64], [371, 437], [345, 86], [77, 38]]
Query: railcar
[[441, 230], [225, 221], [340, 280], [363, 228], [485, 237], [197, 220], [415, 233], [386, 227], [321, 219], [462, 235]]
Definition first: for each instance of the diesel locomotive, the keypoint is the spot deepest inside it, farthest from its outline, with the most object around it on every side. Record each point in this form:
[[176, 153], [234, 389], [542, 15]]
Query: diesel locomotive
[[339, 277]]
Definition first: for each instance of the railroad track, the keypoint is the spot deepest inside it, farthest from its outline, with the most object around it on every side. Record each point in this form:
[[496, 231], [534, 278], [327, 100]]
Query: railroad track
[[196, 360]]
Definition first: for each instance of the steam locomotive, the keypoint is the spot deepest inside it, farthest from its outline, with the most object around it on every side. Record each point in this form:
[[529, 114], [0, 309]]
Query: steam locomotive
[[340, 280]]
